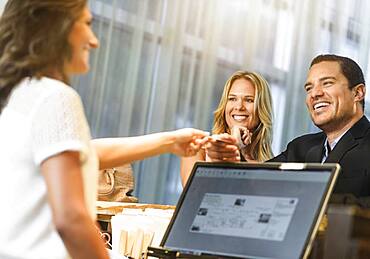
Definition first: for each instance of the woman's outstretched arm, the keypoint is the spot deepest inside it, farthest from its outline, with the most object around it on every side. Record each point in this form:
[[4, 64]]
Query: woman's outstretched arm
[[114, 152]]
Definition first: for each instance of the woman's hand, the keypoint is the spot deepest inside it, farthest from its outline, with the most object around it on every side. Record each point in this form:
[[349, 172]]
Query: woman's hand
[[243, 136], [187, 142]]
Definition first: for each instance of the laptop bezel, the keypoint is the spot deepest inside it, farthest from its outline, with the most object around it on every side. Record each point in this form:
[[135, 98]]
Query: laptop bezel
[[334, 168]]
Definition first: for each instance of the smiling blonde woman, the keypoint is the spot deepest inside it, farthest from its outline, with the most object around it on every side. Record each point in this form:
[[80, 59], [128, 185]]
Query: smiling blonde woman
[[245, 104]]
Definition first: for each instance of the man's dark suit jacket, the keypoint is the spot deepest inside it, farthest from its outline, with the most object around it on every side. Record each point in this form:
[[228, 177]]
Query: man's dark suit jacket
[[352, 152]]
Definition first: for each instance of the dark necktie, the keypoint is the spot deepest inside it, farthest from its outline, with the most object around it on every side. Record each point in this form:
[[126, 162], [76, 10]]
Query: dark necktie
[[325, 152], [328, 147]]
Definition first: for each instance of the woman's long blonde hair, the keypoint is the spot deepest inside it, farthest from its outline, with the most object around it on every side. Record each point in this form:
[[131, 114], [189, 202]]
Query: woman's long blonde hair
[[34, 40], [262, 135]]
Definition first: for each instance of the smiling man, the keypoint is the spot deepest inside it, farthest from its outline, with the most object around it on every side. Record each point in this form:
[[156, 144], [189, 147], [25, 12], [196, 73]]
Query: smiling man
[[335, 92], [334, 100]]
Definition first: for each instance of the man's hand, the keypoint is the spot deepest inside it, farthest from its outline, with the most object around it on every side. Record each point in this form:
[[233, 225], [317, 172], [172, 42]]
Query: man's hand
[[222, 147]]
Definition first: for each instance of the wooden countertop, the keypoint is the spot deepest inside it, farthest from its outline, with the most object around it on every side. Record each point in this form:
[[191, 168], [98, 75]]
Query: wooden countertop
[[105, 210]]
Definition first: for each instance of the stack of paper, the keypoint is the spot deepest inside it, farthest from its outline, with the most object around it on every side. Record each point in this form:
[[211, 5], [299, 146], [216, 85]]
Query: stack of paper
[[135, 229]]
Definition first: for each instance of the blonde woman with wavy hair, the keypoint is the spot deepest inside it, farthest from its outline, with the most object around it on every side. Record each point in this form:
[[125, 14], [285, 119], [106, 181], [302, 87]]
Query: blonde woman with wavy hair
[[242, 120]]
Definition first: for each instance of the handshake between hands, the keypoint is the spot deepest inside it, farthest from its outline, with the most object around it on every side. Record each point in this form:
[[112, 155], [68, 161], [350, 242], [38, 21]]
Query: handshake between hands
[[219, 147]]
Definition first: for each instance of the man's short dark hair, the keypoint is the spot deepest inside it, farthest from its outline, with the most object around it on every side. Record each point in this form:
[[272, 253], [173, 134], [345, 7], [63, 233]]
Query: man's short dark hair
[[350, 69]]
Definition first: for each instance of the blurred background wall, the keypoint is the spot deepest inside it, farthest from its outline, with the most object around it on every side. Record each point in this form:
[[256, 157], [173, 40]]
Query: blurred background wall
[[162, 65]]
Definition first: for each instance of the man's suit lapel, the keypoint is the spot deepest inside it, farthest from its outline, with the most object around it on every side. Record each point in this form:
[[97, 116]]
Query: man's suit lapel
[[346, 143], [315, 154], [349, 140]]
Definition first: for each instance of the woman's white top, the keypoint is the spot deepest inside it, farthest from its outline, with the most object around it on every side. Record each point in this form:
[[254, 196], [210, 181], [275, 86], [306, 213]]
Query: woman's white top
[[42, 118]]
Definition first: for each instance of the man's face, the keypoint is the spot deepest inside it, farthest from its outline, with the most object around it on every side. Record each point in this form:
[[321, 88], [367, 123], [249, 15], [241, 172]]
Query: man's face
[[332, 105]]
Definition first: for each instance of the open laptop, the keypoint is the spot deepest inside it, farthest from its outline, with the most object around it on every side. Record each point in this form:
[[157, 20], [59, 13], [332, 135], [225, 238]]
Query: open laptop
[[244, 210]]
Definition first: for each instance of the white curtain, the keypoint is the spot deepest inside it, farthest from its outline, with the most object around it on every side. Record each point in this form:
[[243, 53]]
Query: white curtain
[[162, 65]]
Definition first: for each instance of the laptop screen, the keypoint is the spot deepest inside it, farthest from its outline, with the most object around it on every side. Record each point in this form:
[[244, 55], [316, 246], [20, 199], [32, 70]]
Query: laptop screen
[[249, 211]]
